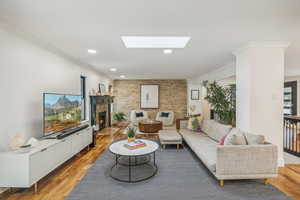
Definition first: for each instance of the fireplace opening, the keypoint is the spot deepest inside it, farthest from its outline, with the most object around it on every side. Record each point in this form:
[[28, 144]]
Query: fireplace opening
[[102, 120]]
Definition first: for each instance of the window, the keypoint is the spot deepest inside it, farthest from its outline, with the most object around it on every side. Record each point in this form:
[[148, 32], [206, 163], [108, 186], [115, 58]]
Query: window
[[83, 94]]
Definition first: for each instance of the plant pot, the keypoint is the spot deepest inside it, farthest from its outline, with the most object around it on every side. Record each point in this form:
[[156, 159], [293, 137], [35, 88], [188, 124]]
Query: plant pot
[[224, 123], [120, 124], [131, 139]]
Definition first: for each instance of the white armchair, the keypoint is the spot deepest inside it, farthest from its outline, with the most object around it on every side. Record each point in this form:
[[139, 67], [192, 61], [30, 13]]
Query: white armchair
[[137, 115], [166, 117]]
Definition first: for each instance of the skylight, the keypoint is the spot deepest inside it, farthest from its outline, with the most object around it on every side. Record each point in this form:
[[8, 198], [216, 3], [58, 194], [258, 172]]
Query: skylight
[[155, 42]]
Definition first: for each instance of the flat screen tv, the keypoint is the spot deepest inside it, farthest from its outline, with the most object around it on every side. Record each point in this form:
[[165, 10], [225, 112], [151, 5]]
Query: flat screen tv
[[61, 112]]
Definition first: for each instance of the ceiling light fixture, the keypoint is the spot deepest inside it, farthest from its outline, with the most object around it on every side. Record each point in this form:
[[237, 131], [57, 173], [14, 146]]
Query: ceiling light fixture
[[113, 69], [168, 51], [92, 51], [122, 76], [158, 42]]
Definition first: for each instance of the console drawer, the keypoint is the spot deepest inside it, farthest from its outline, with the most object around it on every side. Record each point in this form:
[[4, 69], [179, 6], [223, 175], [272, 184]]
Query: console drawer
[[41, 163]]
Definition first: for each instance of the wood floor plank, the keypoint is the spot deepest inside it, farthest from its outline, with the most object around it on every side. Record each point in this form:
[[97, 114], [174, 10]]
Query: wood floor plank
[[288, 181], [58, 184]]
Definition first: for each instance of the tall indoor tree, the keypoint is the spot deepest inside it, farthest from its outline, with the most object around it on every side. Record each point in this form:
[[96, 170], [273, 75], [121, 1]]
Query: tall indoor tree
[[222, 101]]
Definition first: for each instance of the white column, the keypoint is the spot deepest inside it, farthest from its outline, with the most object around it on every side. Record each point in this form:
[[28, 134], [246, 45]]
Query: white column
[[260, 82]]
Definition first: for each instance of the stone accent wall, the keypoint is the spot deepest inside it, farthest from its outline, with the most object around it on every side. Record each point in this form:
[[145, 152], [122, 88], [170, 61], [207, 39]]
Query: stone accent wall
[[173, 96]]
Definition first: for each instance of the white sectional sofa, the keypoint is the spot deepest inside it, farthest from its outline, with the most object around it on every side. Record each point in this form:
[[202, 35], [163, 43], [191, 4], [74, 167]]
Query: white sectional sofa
[[227, 162]]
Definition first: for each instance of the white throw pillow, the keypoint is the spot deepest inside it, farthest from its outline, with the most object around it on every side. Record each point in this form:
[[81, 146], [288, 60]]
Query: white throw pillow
[[206, 125], [220, 130], [254, 139], [215, 130], [235, 137]]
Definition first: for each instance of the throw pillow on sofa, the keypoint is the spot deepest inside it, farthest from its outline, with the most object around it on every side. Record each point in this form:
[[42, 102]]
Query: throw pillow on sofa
[[254, 139], [235, 137], [206, 125], [164, 114], [217, 130], [222, 130], [139, 114], [221, 142]]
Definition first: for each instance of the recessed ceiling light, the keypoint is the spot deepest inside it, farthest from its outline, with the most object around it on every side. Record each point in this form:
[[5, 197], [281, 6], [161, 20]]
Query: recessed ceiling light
[[92, 51], [122, 76], [161, 42], [168, 51], [113, 69]]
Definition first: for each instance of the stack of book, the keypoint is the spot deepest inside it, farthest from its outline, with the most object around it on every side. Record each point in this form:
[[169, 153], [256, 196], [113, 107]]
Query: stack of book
[[135, 145]]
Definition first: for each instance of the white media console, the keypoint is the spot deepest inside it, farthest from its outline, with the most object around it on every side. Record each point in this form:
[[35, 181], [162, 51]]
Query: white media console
[[22, 170]]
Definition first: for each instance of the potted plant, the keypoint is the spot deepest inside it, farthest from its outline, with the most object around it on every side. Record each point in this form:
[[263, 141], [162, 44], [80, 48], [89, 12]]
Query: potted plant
[[222, 101], [119, 117], [131, 134]]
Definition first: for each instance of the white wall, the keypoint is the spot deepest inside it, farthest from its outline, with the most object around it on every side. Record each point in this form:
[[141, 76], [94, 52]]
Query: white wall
[[225, 75], [196, 103], [26, 72], [221, 73]]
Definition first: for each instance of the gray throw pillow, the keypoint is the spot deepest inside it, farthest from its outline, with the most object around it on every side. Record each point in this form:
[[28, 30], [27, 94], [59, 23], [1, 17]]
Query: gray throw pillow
[[235, 137], [254, 139], [238, 140], [206, 125], [217, 131]]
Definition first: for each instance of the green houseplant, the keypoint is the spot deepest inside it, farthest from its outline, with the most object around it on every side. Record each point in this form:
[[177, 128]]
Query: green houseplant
[[119, 117], [222, 101], [131, 134], [195, 124]]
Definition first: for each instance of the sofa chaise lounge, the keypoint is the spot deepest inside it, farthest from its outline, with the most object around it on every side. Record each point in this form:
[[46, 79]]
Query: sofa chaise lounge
[[228, 162]]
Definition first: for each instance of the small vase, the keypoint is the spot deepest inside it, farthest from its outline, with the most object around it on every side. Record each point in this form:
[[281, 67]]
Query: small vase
[[131, 139]]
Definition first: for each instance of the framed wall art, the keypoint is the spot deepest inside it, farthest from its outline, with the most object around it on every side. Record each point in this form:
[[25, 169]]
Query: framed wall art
[[195, 94], [149, 96], [102, 89]]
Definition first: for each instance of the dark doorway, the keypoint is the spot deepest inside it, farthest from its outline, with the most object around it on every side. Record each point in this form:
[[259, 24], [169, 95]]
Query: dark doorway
[[290, 98], [102, 120], [83, 94]]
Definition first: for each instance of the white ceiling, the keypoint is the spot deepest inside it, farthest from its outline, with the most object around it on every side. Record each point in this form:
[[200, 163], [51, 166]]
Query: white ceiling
[[216, 28]]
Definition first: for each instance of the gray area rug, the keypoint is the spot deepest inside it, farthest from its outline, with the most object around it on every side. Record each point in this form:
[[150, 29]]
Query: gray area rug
[[180, 176]]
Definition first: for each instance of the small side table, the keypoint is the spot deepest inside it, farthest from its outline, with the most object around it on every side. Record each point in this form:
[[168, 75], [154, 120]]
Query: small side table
[[137, 159]]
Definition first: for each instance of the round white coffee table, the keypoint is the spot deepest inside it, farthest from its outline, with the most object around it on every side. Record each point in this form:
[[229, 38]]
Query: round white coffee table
[[137, 160]]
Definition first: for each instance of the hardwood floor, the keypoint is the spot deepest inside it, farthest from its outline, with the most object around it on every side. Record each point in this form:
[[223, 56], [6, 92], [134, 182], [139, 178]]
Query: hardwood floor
[[58, 184], [288, 181]]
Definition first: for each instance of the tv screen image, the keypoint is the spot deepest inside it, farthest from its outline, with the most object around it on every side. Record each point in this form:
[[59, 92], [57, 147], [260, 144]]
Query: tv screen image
[[61, 112]]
